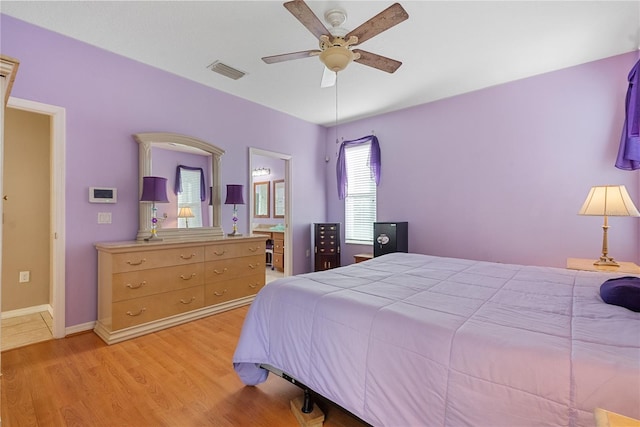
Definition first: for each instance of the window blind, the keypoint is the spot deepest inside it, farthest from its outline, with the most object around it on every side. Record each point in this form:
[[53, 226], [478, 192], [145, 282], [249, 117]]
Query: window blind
[[360, 200], [190, 196]]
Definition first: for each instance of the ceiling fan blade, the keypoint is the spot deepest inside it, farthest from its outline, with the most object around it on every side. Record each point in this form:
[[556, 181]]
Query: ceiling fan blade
[[289, 56], [386, 19], [377, 61], [305, 15], [328, 78]]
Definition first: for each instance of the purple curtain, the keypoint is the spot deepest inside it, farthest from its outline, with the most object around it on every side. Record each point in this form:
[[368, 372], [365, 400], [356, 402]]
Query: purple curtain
[[374, 163], [629, 152], [178, 188]]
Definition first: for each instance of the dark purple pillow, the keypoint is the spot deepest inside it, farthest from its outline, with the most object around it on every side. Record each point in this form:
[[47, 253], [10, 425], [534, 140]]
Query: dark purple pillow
[[622, 291]]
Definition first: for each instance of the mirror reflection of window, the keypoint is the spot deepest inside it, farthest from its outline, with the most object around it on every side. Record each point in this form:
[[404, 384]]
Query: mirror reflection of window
[[190, 197], [261, 200]]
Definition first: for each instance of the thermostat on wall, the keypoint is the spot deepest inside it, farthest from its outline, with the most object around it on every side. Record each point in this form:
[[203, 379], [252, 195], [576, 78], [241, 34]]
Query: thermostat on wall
[[103, 195]]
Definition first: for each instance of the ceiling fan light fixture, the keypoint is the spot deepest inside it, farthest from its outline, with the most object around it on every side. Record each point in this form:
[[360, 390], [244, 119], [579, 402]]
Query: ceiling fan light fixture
[[336, 58]]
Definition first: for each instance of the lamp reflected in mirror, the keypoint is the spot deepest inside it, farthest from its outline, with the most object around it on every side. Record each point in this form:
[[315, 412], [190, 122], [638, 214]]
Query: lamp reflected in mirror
[[186, 213]]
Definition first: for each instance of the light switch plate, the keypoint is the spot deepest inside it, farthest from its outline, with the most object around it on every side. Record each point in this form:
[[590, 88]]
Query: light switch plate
[[104, 217]]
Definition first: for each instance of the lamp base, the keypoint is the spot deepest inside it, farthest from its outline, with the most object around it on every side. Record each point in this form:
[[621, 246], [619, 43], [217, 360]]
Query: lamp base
[[153, 238], [604, 260], [234, 234]]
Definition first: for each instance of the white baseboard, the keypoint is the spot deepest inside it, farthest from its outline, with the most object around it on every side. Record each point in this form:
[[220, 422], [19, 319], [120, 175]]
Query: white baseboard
[[27, 310], [83, 327]]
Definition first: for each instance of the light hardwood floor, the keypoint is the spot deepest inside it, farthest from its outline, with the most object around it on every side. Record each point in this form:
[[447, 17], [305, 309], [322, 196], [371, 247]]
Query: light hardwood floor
[[181, 376]]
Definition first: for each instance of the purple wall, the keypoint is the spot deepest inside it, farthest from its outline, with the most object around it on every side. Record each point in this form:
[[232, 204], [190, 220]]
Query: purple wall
[[107, 99], [500, 174]]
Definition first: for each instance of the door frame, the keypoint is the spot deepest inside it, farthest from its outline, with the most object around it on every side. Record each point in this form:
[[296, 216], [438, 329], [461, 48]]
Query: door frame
[[57, 204], [288, 238]]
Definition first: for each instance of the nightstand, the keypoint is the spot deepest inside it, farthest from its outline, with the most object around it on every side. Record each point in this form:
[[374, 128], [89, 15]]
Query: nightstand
[[587, 265], [362, 257], [611, 419]]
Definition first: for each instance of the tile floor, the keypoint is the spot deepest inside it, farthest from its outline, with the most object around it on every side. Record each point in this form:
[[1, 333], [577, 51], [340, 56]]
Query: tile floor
[[23, 330], [273, 274]]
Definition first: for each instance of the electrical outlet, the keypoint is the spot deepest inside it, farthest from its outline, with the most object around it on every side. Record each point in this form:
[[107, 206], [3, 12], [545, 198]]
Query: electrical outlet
[[24, 276], [308, 253]]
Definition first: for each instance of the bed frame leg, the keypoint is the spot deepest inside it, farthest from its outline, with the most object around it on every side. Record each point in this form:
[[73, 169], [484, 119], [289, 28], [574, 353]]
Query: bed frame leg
[[307, 414], [307, 404]]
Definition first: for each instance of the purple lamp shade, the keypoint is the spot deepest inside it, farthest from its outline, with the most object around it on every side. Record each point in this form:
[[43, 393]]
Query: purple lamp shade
[[234, 195], [154, 189]]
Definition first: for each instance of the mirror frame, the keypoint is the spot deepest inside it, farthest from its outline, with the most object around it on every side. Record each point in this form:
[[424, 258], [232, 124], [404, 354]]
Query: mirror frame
[[145, 142], [266, 184]]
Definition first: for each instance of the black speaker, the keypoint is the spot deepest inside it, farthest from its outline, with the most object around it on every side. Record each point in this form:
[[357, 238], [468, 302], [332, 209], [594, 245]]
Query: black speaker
[[390, 237]]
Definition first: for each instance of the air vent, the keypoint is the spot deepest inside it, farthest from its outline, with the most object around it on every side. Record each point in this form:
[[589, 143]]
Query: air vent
[[226, 70]]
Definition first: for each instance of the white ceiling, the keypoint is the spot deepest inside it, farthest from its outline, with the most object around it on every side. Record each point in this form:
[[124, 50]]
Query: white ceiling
[[447, 47]]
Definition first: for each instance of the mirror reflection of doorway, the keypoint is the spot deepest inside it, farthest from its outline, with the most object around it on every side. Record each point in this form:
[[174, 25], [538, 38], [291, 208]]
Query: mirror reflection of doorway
[[270, 172]]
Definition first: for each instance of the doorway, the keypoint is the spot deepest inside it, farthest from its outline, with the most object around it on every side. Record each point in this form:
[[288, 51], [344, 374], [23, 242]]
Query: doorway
[[283, 162], [53, 237]]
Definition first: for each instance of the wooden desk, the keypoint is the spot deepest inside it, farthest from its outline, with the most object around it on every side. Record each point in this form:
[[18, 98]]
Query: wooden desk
[[278, 246], [587, 265], [362, 257]]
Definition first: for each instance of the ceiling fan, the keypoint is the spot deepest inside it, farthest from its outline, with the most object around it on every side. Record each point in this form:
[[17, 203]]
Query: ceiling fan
[[335, 45]]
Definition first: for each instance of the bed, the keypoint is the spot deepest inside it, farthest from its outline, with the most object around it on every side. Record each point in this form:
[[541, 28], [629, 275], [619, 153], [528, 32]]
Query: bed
[[417, 340]]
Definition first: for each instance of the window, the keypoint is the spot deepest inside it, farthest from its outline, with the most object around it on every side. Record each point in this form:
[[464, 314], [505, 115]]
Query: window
[[360, 198], [190, 197]]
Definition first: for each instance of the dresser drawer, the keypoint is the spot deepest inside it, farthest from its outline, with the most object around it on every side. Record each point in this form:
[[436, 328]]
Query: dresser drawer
[[225, 269], [142, 260], [233, 250], [145, 309], [228, 290], [140, 283]]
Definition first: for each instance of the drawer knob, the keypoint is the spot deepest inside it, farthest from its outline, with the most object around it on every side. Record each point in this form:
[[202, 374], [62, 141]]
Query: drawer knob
[[183, 277], [142, 310], [254, 249], [254, 266], [220, 272], [219, 294], [139, 285], [136, 262], [187, 256], [219, 253], [251, 285], [189, 301]]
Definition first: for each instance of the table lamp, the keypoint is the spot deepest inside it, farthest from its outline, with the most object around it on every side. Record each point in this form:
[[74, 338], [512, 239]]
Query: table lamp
[[608, 200], [234, 197], [154, 189], [186, 213]]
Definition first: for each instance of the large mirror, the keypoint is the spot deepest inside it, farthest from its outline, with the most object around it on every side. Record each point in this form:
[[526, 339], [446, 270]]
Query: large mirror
[[261, 199], [182, 160]]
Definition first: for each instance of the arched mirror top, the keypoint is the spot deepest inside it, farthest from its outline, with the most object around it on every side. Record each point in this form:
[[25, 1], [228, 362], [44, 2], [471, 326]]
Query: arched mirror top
[[169, 155]]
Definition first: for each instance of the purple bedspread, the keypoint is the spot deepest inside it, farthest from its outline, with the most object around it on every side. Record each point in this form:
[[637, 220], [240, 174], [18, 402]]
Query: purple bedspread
[[417, 340]]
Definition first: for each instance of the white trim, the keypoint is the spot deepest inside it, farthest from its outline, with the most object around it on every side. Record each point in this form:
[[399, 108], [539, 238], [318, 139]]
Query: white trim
[[83, 327], [288, 179], [26, 311], [58, 142]]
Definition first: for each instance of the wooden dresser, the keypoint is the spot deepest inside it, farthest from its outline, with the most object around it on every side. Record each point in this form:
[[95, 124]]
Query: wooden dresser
[[144, 287]]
